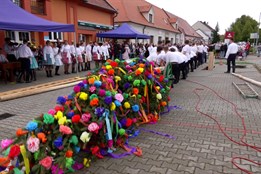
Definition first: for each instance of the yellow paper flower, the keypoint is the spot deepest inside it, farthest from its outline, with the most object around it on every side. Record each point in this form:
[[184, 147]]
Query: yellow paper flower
[[127, 105], [157, 87], [141, 69], [62, 121], [78, 94], [108, 67], [58, 115], [117, 78], [113, 106], [159, 96], [83, 96], [85, 137]]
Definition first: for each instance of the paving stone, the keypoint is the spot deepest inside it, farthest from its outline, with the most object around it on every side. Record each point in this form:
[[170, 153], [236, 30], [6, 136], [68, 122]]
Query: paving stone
[[186, 169], [213, 168], [196, 164], [158, 169], [130, 170]]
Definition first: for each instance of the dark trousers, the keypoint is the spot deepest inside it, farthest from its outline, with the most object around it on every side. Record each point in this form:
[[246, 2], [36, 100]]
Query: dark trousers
[[195, 62], [182, 67], [175, 72], [204, 57], [25, 69], [11, 58], [231, 58], [200, 59], [191, 63]]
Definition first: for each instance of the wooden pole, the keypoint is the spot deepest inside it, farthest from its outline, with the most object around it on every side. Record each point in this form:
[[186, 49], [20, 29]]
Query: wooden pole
[[211, 61], [257, 83]]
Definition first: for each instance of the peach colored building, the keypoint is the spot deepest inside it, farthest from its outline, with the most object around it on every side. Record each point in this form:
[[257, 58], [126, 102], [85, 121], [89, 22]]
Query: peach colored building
[[88, 16]]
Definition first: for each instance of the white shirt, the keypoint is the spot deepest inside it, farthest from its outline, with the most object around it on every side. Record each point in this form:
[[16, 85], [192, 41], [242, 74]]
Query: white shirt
[[152, 57], [186, 51], [56, 54], [150, 49], [200, 48], [95, 49], [73, 51], [78, 51], [82, 49], [104, 50], [160, 57], [25, 52], [88, 50], [194, 49], [181, 57], [48, 50], [171, 57], [232, 49]]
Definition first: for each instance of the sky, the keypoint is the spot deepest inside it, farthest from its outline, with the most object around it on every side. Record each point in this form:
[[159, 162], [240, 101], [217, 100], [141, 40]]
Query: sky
[[223, 12]]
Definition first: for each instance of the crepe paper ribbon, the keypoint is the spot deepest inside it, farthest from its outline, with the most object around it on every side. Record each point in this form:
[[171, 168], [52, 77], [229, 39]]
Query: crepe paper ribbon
[[158, 133], [122, 70], [159, 84], [109, 132], [170, 108], [118, 156], [133, 135], [77, 105], [116, 125], [17, 171], [79, 166], [138, 151], [26, 160]]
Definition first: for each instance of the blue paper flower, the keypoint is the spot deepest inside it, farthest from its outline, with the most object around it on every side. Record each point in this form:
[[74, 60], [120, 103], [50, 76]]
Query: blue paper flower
[[61, 100], [31, 126], [108, 100], [70, 114], [81, 84], [76, 149], [117, 103], [135, 108], [70, 97], [99, 111], [58, 142], [97, 83], [126, 85], [149, 76], [85, 86]]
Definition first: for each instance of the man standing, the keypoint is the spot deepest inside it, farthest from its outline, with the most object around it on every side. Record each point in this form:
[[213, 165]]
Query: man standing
[[231, 55]]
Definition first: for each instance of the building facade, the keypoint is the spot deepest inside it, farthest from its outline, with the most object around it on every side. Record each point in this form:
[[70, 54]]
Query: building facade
[[88, 16], [204, 29]]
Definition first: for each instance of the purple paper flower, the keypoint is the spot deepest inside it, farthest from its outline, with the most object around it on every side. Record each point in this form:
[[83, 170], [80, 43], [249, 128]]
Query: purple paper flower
[[70, 114], [99, 111], [58, 142], [56, 170], [126, 85], [84, 81], [108, 100], [81, 84]]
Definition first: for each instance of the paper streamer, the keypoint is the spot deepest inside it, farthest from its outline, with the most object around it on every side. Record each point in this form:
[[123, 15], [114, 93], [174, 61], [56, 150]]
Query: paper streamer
[[26, 160], [158, 133], [170, 108]]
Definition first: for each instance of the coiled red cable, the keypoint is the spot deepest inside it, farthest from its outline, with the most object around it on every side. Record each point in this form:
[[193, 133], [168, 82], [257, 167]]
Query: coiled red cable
[[242, 139]]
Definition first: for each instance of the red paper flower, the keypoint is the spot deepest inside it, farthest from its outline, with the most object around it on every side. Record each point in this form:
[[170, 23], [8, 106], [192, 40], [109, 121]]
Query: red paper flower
[[46, 162], [94, 102], [114, 64], [161, 78], [69, 153], [138, 72], [59, 108], [111, 72], [76, 118], [14, 151], [135, 91], [129, 122]]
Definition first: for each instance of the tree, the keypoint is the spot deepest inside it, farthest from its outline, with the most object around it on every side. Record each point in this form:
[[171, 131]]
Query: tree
[[216, 36], [242, 27]]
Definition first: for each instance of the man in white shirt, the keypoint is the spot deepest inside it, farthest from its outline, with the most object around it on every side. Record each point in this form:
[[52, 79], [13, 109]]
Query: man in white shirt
[[231, 55], [172, 58], [186, 50], [25, 55], [200, 53]]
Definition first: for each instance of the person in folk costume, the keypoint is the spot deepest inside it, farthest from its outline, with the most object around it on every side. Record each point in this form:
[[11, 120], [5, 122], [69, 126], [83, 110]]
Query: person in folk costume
[[57, 57], [88, 57], [66, 57], [48, 58], [34, 64], [186, 50], [82, 48], [126, 53], [194, 51], [79, 57], [96, 54], [161, 56], [105, 52], [73, 56]]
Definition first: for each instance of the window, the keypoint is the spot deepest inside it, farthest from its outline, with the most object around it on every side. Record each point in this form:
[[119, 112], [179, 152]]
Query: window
[[38, 6], [24, 36], [100, 40], [160, 38], [17, 2], [55, 35], [171, 40], [150, 18], [11, 35]]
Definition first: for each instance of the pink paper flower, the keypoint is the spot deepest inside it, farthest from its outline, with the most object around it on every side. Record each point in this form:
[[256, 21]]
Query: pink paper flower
[[77, 89], [6, 143], [119, 97], [93, 127], [33, 144], [46, 162], [86, 117], [92, 88], [52, 112], [65, 130], [102, 93]]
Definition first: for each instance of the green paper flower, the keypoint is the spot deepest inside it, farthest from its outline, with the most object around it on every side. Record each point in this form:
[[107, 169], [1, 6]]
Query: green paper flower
[[122, 132], [125, 77], [117, 60], [74, 140], [136, 83], [163, 90], [130, 78], [114, 93], [69, 162], [93, 96], [143, 82], [106, 63], [108, 93], [126, 96], [149, 82], [36, 155], [48, 119], [139, 96]]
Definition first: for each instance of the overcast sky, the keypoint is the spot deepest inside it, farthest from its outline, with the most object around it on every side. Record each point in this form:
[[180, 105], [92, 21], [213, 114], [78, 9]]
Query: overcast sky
[[212, 11]]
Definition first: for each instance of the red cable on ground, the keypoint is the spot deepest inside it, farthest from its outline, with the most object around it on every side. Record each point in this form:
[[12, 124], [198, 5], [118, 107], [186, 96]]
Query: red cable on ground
[[242, 143]]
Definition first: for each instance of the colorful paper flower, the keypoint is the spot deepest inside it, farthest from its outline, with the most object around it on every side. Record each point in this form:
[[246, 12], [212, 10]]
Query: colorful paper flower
[[94, 102], [114, 64], [92, 89], [42, 137], [86, 117], [74, 140], [127, 105], [33, 144], [69, 153], [108, 93], [70, 114], [83, 96], [56, 170], [117, 103], [76, 118], [94, 96], [97, 83], [135, 108], [135, 91], [65, 130], [61, 100], [113, 106], [159, 96], [102, 93], [119, 97], [14, 152], [108, 67], [58, 142], [20, 132], [111, 72], [77, 89], [5, 143], [99, 111], [126, 85], [85, 137], [46, 162], [48, 119], [91, 81], [62, 121], [126, 96], [136, 83], [93, 127], [52, 112], [58, 115], [108, 100], [31, 126]]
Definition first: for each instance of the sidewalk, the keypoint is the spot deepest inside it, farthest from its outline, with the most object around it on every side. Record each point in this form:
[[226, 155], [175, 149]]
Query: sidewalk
[[199, 148]]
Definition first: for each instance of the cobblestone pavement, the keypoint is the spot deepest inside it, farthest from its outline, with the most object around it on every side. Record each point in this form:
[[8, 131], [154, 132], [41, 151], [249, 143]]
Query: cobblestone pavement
[[200, 147]]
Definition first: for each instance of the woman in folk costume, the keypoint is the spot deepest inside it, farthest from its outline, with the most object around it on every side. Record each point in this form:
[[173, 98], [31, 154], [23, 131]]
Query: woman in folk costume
[[79, 57], [34, 64], [48, 58], [73, 57], [88, 57], [105, 51], [66, 56], [58, 58], [96, 54]]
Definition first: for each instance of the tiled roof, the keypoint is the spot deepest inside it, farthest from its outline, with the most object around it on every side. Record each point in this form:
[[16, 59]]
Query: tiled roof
[[145, 8], [101, 4], [206, 24], [184, 26], [173, 20], [129, 11]]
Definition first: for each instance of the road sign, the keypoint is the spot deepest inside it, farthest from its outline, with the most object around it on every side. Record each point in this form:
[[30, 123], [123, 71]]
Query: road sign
[[254, 35]]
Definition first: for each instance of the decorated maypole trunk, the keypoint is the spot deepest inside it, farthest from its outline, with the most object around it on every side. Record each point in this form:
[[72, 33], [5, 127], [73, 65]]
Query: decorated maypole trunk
[[95, 119]]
